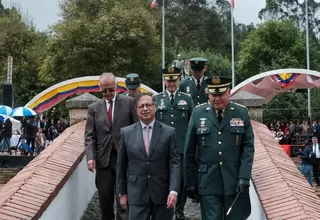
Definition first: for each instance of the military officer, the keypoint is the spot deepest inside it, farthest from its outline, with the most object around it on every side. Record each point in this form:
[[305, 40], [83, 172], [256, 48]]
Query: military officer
[[133, 84], [174, 108], [196, 85], [223, 132]]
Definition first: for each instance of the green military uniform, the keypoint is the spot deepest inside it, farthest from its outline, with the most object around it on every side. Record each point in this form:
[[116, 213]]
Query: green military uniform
[[225, 157], [132, 82], [189, 85], [175, 113]]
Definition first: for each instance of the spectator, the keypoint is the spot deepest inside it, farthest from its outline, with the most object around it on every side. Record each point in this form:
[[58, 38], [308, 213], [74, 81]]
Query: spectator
[[306, 166], [40, 141], [31, 132], [7, 134]]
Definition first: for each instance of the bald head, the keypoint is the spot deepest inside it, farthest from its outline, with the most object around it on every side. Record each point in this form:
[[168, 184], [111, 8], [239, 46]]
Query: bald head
[[107, 84]]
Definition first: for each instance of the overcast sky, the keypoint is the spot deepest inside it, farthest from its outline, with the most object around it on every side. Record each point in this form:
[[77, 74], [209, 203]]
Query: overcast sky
[[46, 12]]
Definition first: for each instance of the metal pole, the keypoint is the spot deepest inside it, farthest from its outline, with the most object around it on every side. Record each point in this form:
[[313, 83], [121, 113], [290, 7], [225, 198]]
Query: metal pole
[[232, 47], [308, 57], [163, 45]]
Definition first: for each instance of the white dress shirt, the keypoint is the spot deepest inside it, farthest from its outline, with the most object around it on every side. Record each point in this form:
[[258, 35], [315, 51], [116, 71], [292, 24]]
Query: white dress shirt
[[174, 94], [316, 150], [113, 104], [151, 124], [195, 80]]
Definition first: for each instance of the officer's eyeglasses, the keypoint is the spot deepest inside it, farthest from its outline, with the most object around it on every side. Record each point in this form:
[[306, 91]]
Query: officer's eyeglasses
[[107, 90], [147, 105]]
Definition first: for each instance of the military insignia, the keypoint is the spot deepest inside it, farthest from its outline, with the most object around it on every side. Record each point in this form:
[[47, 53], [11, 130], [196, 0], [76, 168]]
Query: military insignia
[[188, 90], [162, 102], [232, 109], [234, 122], [216, 80], [206, 90], [131, 79], [182, 102], [203, 122], [170, 70], [196, 62], [183, 115]]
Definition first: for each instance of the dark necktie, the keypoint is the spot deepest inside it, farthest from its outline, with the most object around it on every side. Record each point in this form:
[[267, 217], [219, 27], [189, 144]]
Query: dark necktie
[[110, 112], [198, 84], [220, 116], [171, 98]]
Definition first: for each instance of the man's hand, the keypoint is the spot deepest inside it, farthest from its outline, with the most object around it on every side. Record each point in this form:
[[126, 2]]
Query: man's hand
[[91, 165], [124, 202], [192, 193], [243, 186], [171, 201]]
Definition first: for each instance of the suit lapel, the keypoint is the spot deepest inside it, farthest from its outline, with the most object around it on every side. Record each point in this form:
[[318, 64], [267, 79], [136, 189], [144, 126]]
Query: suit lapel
[[156, 131], [104, 110], [139, 137], [226, 117], [211, 114], [117, 108]]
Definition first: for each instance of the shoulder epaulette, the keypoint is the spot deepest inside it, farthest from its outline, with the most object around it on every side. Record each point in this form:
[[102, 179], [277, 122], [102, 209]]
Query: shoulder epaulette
[[197, 106], [239, 105], [184, 93]]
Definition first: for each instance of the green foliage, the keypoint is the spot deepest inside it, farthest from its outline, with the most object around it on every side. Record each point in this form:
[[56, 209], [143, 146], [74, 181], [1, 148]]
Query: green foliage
[[275, 45], [122, 41]]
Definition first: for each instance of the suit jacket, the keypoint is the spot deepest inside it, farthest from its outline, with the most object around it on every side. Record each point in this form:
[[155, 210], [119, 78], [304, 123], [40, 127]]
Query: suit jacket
[[143, 177], [225, 150], [100, 137]]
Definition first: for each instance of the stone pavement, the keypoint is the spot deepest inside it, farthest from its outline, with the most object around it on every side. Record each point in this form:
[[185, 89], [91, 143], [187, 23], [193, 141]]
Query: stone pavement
[[192, 210]]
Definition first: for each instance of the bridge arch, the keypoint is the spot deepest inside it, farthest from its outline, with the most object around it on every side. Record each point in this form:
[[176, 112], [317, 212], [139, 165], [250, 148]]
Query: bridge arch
[[269, 84], [59, 92]]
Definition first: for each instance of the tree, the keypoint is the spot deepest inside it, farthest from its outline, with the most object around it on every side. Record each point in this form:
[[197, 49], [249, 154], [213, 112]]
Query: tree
[[24, 44], [122, 41], [293, 10], [274, 45]]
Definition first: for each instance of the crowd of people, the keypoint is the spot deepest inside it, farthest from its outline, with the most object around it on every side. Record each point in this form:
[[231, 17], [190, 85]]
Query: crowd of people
[[34, 135], [294, 132], [155, 151]]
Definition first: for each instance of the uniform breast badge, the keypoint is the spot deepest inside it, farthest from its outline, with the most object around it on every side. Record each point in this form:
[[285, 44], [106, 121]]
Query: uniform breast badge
[[203, 122], [188, 90]]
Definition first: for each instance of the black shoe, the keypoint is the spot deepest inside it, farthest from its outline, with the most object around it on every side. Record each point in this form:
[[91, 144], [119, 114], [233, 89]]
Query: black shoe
[[180, 217]]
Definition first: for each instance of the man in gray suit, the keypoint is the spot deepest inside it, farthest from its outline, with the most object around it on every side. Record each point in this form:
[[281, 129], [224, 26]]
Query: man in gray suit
[[104, 120], [148, 167]]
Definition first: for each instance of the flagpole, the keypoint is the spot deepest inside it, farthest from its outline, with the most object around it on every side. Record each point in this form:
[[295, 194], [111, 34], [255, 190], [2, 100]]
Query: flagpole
[[163, 44], [308, 57], [232, 43]]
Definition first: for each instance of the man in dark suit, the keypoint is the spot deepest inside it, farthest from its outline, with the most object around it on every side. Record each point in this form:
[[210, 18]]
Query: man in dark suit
[[104, 120], [315, 158], [148, 168]]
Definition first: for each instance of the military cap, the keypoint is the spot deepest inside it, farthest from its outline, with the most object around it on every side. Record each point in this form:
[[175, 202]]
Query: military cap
[[171, 73], [197, 63], [132, 81], [218, 84]]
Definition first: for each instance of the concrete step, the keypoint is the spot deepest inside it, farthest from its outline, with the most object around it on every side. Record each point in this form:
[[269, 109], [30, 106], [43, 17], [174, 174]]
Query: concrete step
[[7, 174]]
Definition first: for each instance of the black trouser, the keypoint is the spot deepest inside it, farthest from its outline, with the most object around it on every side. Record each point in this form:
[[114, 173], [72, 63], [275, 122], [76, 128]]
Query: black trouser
[[32, 141], [144, 212], [105, 183], [215, 207], [315, 170], [182, 197]]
